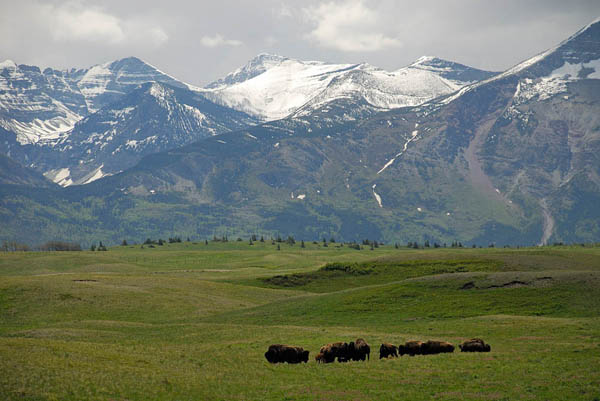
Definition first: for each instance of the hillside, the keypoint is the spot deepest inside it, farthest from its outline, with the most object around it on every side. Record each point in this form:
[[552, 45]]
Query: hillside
[[179, 320]]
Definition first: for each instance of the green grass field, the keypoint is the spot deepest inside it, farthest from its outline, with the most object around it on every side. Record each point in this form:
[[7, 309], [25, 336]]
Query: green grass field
[[192, 322]]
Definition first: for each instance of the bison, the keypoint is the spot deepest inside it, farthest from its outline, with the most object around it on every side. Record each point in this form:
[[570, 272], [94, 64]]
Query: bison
[[279, 353], [387, 349], [337, 350], [436, 347], [359, 350], [411, 348], [474, 345]]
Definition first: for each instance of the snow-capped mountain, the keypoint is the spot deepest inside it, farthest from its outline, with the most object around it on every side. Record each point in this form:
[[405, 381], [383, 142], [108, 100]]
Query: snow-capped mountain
[[41, 107], [272, 87], [151, 118], [511, 159], [103, 84], [76, 126]]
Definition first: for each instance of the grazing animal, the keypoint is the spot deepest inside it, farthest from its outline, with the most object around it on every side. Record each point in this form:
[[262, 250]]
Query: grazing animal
[[387, 349], [279, 353], [411, 348], [474, 345], [337, 350], [360, 350], [436, 347], [320, 358]]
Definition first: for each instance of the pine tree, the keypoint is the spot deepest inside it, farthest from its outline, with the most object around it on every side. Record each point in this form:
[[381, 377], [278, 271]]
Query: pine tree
[[278, 247], [93, 247], [396, 245], [124, 243], [302, 244]]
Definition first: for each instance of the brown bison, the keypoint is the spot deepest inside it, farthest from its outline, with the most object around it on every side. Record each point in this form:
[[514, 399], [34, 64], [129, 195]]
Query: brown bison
[[436, 347], [475, 345], [320, 358], [411, 348], [279, 353], [337, 350], [359, 350], [387, 349]]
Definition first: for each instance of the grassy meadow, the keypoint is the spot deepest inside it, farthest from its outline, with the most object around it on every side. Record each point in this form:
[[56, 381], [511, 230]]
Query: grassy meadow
[[190, 321]]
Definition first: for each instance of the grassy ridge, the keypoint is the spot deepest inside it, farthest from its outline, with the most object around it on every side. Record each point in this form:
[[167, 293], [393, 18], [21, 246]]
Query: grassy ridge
[[192, 322]]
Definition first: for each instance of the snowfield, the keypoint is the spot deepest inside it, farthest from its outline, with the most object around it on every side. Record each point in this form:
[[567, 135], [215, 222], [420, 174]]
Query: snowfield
[[273, 87]]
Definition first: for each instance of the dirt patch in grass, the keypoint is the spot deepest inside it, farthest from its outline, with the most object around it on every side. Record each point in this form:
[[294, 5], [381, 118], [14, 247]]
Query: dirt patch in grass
[[537, 282]]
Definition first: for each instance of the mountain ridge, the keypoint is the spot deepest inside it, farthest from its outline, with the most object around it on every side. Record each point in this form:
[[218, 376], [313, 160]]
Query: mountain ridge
[[513, 159]]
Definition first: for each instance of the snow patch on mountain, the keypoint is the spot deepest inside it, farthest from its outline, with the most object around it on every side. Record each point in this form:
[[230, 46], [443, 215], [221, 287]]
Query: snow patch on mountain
[[38, 130], [392, 160], [556, 82], [95, 81], [376, 195], [94, 175], [61, 176]]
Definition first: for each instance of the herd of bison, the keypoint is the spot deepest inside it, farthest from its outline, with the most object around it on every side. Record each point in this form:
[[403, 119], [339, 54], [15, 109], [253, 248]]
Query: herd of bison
[[359, 350]]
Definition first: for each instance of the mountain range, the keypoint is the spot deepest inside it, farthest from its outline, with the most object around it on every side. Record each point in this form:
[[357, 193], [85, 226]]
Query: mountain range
[[435, 150]]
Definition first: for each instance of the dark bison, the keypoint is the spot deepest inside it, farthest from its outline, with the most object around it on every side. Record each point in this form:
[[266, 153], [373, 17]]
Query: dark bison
[[475, 345], [359, 350], [411, 348], [436, 347], [387, 350], [337, 350], [279, 353]]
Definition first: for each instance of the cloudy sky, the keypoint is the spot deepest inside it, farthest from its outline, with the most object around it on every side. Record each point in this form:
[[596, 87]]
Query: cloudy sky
[[200, 41]]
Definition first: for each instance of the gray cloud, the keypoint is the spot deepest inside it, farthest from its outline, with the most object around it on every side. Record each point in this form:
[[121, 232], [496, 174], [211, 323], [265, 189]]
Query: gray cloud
[[348, 26], [201, 41]]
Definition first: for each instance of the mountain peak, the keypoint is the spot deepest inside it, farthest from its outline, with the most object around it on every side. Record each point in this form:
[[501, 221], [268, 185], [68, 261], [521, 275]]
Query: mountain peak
[[267, 57], [580, 48], [426, 60], [127, 62], [8, 64], [256, 66], [450, 69]]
